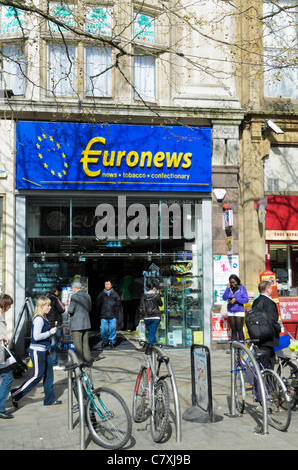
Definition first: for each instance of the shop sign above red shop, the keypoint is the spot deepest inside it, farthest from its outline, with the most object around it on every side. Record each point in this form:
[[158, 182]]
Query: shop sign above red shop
[[282, 218]]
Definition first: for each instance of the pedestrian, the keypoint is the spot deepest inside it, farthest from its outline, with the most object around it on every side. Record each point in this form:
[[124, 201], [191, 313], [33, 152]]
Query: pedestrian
[[149, 311], [6, 374], [269, 307], [79, 324], [40, 356], [55, 315], [237, 296], [108, 302]]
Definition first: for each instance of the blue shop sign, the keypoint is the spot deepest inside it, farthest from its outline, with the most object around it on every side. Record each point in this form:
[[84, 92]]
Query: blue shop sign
[[76, 156]]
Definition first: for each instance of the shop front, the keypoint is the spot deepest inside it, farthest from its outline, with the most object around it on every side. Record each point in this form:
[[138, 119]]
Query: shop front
[[282, 254], [131, 203]]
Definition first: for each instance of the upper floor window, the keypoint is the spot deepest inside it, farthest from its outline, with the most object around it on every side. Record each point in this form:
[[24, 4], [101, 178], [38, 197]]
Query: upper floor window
[[61, 69], [144, 27], [12, 68], [12, 20], [280, 50], [99, 20], [144, 63], [98, 71], [66, 13]]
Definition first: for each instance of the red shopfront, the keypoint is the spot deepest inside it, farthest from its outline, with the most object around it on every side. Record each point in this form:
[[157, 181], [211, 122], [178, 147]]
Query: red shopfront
[[282, 254]]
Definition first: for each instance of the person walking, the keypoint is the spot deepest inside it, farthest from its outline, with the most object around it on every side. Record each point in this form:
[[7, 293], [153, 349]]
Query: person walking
[[149, 311], [237, 296], [79, 324], [40, 356], [6, 374], [108, 301], [55, 315], [267, 305]]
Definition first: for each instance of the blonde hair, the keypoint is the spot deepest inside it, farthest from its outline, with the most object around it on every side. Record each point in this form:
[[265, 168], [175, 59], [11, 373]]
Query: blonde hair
[[39, 304]]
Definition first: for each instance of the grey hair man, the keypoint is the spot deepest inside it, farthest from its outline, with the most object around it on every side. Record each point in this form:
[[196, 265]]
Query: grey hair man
[[79, 323]]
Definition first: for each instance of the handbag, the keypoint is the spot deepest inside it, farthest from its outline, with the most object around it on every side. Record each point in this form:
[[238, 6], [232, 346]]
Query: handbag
[[224, 309], [7, 358]]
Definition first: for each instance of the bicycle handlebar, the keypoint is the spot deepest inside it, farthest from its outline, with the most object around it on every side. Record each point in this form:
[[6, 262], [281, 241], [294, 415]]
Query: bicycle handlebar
[[143, 342]]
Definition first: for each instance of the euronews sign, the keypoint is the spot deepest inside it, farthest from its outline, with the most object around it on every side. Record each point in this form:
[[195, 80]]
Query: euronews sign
[[76, 156]]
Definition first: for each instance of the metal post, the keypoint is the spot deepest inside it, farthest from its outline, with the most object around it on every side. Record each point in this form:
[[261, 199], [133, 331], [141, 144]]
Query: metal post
[[73, 357], [176, 398]]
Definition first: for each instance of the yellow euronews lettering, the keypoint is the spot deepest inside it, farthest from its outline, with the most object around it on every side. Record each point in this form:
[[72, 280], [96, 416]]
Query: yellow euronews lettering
[[86, 160], [132, 158]]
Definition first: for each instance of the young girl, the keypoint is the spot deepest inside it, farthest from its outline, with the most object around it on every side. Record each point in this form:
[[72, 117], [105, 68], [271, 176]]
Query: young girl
[[40, 356]]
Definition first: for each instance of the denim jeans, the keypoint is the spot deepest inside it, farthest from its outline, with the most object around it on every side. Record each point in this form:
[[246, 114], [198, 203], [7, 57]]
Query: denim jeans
[[6, 378], [105, 326], [152, 325], [42, 369], [55, 343]]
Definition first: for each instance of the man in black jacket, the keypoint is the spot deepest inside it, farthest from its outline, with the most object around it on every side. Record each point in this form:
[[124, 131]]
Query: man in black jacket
[[108, 303], [270, 308]]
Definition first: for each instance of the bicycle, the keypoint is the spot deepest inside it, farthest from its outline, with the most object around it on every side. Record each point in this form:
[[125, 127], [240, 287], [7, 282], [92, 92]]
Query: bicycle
[[277, 397], [106, 413], [151, 392], [288, 373]]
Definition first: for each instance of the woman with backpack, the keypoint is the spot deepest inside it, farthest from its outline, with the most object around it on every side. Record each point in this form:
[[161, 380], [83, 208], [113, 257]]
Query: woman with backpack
[[237, 296], [149, 311]]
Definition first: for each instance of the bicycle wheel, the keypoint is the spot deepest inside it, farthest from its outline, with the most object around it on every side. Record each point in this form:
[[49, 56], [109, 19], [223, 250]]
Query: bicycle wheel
[[140, 397], [240, 394], [160, 410], [278, 401], [108, 418], [288, 373]]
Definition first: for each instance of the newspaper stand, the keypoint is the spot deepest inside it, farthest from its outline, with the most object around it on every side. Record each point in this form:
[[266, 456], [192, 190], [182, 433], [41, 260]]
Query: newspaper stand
[[201, 410]]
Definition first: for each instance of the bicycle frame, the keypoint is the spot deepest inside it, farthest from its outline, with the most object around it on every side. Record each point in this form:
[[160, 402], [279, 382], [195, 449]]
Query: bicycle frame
[[236, 344]]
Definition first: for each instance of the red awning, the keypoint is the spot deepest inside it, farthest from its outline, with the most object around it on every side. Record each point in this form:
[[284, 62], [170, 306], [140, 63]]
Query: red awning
[[282, 213]]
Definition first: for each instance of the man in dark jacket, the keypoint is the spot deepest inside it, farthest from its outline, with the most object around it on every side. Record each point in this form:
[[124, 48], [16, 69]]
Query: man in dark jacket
[[55, 315], [108, 303], [269, 307]]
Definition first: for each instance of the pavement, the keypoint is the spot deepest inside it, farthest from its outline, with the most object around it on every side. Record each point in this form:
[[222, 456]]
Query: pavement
[[37, 427]]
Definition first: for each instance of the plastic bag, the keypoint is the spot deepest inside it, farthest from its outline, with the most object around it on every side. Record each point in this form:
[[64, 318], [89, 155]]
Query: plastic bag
[[141, 330]]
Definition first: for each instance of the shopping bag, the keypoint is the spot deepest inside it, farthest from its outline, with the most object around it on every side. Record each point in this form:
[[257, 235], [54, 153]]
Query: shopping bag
[[141, 330]]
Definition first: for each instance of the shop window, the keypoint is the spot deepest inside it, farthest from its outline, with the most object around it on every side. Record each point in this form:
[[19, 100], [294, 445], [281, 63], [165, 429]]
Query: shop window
[[280, 35], [284, 263], [61, 72], [98, 71]]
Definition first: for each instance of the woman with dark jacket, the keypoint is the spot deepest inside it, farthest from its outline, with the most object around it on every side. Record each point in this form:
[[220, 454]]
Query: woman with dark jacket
[[237, 296], [149, 311]]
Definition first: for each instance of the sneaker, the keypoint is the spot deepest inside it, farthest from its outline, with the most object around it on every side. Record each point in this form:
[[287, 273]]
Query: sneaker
[[112, 346], [56, 402], [13, 400]]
